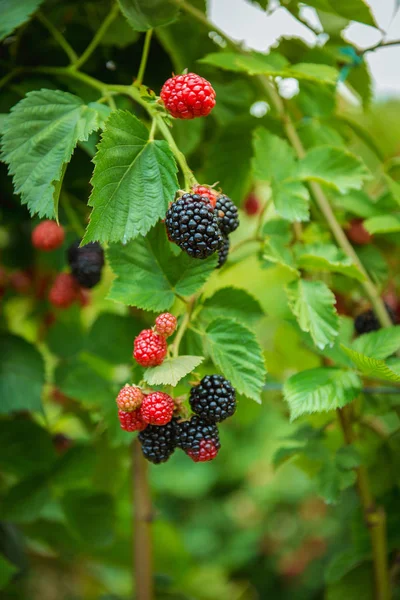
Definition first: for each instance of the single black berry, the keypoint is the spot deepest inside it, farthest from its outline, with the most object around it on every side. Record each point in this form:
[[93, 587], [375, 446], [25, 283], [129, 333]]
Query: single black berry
[[223, 252], [367, 321], [227, 214], [86, 263], [158, 442], [198, 435], [213, 399], [192, 224]]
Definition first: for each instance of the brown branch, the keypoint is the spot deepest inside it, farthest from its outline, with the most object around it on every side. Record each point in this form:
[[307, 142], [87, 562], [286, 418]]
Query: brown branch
[[142, 518]]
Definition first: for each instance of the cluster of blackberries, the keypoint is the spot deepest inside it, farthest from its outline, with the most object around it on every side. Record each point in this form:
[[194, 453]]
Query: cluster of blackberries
[[200, 223], [212, 401], [367, 321]]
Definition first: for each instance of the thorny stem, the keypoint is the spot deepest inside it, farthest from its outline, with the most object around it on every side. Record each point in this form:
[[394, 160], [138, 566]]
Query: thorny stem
[[374, 515], [58, 36], [76, 64], [142, 517], [320, 198], [145, 54]]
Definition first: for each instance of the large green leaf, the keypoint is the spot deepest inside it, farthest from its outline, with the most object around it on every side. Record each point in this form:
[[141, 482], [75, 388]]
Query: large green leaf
[[21, 375], [320, 390], [14, 13], [334, 167], [372, 367], [25, 447], [379, 344], [276, 252], [274, 162], [383, 224], [91, 516], [358, 203], [149, 274], [26, 500], [39, 137], [354, 10], [234, 349], [133, 181], [234, 303], [327, 257], [313, 305], [147, 14], [172, 370]]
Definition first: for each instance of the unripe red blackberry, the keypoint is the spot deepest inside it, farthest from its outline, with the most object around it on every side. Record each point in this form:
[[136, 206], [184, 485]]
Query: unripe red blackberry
[[198, 438], [357, 233], [157, 408], [149, 348], [207, 192], [252, 205], [129, 398], [166, 324], [64, 291], [192, 224], [131, 421], [213, 399], [48, 236], [227, 214], [188, 96]]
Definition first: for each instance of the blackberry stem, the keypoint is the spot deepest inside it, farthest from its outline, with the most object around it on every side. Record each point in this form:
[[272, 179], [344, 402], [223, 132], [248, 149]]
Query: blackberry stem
[[145, 54], [97, 38], [183, 326]]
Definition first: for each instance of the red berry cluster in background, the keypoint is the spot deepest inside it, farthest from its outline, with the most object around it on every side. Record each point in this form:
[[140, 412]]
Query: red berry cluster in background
[[188, 96], [47, 236], [150, 346]]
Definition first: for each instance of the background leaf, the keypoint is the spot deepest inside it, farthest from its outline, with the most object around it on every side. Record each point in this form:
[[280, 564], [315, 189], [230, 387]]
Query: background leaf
[[146, 14], [327, 257], [234, 303], [133, 181], [378, 344], [13, 14], [372, 367], [172, 370], [90, 515]]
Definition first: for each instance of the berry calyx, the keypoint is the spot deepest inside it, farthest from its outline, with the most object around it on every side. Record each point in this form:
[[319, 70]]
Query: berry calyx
[[48, 236], [357, 233], [158, 442], [205, 191], [227, 215], [213, 399], [64, 291], [188, 96], [149, 348], [223, 252], [86, 263], [129, 398], [192, 224], [166, 324], [198, 438], [157, 408], [131, 421], [251, 205]]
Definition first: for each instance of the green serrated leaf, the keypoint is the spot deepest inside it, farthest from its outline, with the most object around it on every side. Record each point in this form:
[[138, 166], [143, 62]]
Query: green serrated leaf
[[372, 367], [147, 14], [383, 224], [172, 370], [334, 167], [234, 349], [357, 203], [313, 72], [148, 274], [253, 63], [39, 137], [276, 252], [313, 304], [291, 200], [21, 375], [233, 303], [327, 257], [134, 180], [13, 14], [378, 344], [320, 390]]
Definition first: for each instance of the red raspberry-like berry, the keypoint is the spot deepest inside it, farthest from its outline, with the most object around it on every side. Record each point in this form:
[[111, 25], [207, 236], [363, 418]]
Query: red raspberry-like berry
[[157, 408], [252, 205], [21, 281], [131, 421], [209, 193], [149, 348], [129, 398], [48, 236], [166, 324], [64, 291], [188, 96], [207, 451], [357, 233]]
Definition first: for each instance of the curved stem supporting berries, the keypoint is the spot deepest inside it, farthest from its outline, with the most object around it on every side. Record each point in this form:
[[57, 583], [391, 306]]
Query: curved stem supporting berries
[[145, 54], [183, 326], [97, 38], [142, 546]]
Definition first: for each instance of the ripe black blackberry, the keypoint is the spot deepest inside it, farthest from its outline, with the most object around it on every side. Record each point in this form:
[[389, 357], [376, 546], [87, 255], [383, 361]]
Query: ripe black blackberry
[[367, 321], [192, 224], [223, 252], [158, 442], [198, 438], [227, 214], [86, 263], [213, 399]]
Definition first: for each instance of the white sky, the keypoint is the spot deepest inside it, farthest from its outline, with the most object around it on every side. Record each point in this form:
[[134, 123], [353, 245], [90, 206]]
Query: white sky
[[244, 21]]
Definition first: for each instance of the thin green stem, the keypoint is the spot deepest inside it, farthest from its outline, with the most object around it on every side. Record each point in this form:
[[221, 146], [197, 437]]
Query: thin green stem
[[58, 36], [190, 179], [72, 217], [382, 44], [97, 38], [374, 515], [183, 326], [152, 130], [4, 80], [145, 54]]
